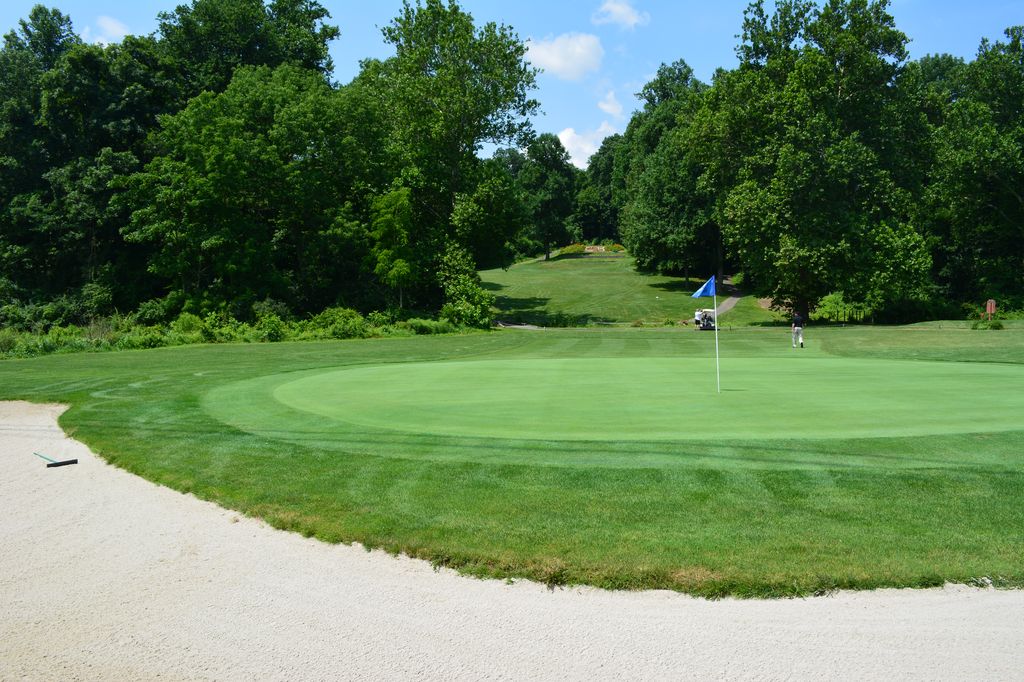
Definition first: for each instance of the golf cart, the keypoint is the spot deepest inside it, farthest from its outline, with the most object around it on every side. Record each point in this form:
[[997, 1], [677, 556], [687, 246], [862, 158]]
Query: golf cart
[[704, 319]]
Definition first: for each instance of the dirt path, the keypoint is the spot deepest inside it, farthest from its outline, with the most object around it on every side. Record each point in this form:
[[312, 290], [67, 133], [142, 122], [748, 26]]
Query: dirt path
[[106, 576]]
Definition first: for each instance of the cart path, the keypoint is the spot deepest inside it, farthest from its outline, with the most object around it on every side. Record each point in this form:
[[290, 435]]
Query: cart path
[[104, 575]]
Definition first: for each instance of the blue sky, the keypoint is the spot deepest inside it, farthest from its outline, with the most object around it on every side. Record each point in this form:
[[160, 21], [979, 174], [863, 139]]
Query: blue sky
[[595, 53]]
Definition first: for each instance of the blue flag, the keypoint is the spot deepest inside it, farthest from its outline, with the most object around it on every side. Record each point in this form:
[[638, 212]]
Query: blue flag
[[707, 290]]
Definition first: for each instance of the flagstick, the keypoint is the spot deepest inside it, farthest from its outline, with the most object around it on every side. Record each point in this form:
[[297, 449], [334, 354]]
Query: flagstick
[[718, 372]]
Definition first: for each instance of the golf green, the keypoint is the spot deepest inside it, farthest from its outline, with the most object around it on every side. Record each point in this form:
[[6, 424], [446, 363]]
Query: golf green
[[631, 399]]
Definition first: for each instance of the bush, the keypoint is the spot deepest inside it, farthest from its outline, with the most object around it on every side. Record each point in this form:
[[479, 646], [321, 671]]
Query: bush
[[271, 328], [187, 329], [140, 337], [97, 299], [62, 311], [336, 323], [187, 323], [466, 302], [220, 327], [572, 250], [153, 311], [423, 326], [379, 319], [835, 308], [269, 306], [615, 248], [9, 340]]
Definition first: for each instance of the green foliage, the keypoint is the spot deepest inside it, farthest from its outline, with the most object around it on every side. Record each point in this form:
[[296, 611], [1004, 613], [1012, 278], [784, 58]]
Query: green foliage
[[213, 167], [270, 327], [9, 340], [210, 39], [423, 326], [549, 181], [336, 323], [835, 308], [392, 224], [140, 337], [153, 311], [664, 214], [466, 302]]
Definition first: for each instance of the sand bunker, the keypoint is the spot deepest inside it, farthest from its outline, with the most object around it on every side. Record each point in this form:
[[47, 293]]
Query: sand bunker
[[104, 575]]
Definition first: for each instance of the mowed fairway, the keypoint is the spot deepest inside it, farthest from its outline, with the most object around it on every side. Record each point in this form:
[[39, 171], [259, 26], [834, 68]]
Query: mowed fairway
[[600, 288], [874, 457]]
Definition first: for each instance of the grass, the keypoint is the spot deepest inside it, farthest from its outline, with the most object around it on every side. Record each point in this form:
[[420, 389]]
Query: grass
[[601, 289], [921, 490]]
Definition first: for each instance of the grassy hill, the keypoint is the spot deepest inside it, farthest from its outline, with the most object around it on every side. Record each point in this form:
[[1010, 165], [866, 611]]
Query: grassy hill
[[602, 289]]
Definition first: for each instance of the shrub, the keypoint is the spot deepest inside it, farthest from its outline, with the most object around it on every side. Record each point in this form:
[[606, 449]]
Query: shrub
[[153, 311], [97, 299], [466, 302], [269, 327], [615, 248], [220, 327], [9, 340], [378, 319], [424, 326], [835, 308], [187, 323], [61, 311], [337, 323], [140, 337], [101, 329], [572, 250], [269, 306]]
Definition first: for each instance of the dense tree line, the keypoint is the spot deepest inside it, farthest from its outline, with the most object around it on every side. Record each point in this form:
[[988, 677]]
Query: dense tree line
[[827, 165], [214, 167]]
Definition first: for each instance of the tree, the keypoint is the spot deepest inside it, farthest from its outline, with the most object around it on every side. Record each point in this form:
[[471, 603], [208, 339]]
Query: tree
[[46, 35], [818, 206], [595, 211], [488, 219], [261, 192], [27, 55], [663, 218], [209, 39], [465, 301], [549, 181], [391, 225], [975, 205], [449, 88]]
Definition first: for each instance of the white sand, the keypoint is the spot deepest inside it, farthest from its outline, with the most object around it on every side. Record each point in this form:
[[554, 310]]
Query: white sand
[[106, 576]]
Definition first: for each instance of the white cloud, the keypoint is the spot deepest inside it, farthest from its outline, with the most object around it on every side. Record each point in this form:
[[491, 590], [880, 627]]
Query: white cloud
[[620, 12], [108, 30], [611, 105], [582, 145], [570, 56]]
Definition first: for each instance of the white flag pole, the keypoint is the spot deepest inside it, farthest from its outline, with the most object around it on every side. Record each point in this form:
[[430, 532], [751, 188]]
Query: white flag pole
[[718, 371]]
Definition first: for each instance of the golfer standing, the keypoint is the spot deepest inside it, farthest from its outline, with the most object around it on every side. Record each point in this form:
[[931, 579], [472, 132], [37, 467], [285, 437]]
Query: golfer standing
[[798, 329]]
